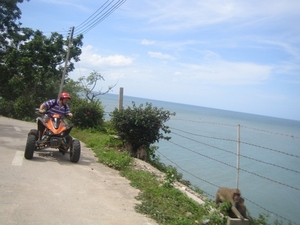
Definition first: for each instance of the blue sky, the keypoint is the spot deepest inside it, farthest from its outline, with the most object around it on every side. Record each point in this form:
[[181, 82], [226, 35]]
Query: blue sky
[[235, 55]]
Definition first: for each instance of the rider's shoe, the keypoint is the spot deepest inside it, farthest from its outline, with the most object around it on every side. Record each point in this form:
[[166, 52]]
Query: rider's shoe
[[62, 150], [43, 140]]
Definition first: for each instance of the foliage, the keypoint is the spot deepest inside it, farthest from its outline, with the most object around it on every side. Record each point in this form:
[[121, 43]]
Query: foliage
[[80, 107], [140, 126], [171, 172], [157, 199], [87, 114], [114, 159], [25, 106], [31, 64], [73, 88], [214, 215], [33, 67], [101, 143], [170, 178], [88, 84], [6, 108], [261, 220], [9, 14]]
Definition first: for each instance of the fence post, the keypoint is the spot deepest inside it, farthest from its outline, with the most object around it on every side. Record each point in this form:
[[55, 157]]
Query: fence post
[[121, 98], [238, 156]]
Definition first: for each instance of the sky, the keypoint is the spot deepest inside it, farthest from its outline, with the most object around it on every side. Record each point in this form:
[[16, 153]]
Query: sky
[[235, 55]]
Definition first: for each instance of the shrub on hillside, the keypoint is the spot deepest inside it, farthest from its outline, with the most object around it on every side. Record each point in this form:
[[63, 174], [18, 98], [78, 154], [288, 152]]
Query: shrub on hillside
[[21, 108], [6, 108], [86, 114], [141, 126], [24, 107]]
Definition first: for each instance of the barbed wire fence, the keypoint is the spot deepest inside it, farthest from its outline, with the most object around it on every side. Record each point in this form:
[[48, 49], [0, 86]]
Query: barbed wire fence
[[180, 136]]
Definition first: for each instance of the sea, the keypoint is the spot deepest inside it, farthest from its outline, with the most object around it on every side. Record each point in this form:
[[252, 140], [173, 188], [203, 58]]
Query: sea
[[215, 148]]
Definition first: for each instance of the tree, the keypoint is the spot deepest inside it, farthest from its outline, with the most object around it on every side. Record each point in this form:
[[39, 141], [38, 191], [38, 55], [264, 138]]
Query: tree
[[88, 112], [141, 126], [88, 84], [9, 27], [31, 64], [33, 68]]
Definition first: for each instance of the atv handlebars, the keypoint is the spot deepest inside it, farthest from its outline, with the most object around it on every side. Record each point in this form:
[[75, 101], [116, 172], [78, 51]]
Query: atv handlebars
[[37, 111]]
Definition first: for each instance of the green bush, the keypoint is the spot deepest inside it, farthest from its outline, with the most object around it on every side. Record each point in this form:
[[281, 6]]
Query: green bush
[[21, 108], [6, 108], [141, 126], [86, 114], [24, 107]]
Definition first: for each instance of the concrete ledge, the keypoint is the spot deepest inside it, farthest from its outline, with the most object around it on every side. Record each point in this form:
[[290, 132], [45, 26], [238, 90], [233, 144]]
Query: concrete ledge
[[190, 193], [236, 221]]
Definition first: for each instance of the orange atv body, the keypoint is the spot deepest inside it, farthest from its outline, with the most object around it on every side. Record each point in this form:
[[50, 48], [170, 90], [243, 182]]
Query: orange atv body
[[53, 133], [56, 125]]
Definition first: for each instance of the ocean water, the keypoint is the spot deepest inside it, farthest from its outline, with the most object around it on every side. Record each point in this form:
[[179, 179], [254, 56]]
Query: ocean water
[[204, 146]]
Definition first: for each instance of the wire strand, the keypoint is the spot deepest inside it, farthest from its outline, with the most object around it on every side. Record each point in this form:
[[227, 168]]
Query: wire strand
[[107, 9]]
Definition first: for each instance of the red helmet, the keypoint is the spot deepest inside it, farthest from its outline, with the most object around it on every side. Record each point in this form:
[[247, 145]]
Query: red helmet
[[64, 95]]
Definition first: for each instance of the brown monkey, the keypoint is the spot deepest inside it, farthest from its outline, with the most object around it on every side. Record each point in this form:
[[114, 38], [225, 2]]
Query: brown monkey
[[225, 194], [240, 206]]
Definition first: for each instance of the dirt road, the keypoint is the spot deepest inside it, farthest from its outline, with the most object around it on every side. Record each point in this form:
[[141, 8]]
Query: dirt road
[[49, 189]]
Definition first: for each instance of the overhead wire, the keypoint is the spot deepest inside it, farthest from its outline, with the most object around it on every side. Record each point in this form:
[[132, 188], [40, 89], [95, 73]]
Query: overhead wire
[[105, 15], [200, 140], [103, 12], [90, 18]]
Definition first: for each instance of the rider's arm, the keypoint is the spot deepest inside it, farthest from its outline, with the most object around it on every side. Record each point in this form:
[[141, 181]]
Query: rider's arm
[[68, 112], [42, 106]]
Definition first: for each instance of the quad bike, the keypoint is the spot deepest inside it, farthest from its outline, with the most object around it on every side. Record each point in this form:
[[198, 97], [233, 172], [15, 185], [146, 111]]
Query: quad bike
[[54, 134]]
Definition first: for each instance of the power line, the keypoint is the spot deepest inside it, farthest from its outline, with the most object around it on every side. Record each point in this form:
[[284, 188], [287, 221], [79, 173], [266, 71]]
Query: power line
[[212, 184], [105, 15], [107, 8], [230, 125], [247, 157], [226, 139], [90, 18], [220, 161]]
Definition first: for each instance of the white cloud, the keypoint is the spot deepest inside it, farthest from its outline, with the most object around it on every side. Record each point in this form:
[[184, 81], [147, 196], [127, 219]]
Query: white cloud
[[292, 50], [227, 73], [180, 14], [92, 58], [147, 42], [67, 3], [160, 55]]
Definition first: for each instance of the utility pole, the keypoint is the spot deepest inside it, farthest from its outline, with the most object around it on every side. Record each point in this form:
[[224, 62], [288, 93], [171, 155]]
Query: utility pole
[[238, 155], [66, 63], [121, 98]]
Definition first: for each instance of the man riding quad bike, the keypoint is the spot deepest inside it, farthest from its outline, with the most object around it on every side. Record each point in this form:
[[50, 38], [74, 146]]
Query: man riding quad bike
[[52, 131]]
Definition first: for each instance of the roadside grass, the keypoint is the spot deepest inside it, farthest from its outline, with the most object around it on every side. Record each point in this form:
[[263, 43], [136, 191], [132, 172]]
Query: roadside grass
[[158, 199], [163, 203]]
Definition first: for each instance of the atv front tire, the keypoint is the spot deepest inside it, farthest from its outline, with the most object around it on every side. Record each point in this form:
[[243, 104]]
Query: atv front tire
[[75, 151], [35, 133], [30, 146]]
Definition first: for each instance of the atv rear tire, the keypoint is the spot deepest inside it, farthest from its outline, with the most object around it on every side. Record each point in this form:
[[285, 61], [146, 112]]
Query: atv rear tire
[[75, 151], [30, 146]]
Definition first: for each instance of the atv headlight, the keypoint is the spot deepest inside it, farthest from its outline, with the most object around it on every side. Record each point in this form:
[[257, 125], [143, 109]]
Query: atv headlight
[[62, 133]]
